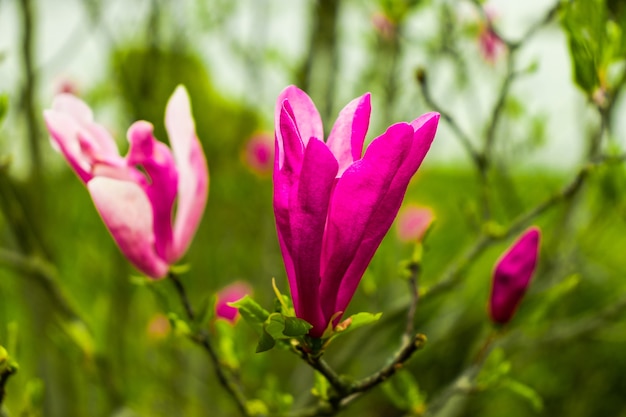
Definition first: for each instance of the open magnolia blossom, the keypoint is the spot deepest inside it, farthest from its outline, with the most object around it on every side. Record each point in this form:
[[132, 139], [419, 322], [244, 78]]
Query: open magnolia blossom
[[333, 206], [136, 194], [512, 275]]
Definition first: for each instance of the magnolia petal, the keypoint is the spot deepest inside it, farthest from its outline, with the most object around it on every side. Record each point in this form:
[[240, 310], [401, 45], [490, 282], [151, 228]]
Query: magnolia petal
[[162, 185], [304, 113], [286, 177], [82, 142], [512, 275], [193, 174], [348, 134], [82, 115], [354, 219], [126, 211], [74, 107], [64, 137], [390, 201], [308, 208]]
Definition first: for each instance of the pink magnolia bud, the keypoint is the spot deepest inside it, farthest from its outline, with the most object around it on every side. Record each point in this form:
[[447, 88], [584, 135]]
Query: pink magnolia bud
[[512, 275], [229, 294], [413, 223]]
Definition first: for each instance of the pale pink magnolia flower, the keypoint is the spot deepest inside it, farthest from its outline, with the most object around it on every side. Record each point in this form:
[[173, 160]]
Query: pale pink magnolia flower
[[136, 194], [333, 205], [259, 154], [229, 294], [413, 222], [512, 275]]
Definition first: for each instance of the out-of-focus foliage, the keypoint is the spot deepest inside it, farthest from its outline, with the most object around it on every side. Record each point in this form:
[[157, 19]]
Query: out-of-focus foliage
[[92, 339], [146, 77], [597, 39]]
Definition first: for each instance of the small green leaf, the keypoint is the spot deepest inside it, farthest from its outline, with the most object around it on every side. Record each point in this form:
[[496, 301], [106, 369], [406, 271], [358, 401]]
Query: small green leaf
[[525, 392], [403, 391], [354, 322], [252, 312], [266, 342], [495, 369], [275, 325], [296, 327]]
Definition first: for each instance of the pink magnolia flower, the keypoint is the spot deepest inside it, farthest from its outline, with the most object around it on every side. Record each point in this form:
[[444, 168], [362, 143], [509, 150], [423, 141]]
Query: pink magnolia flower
[[332, 205], [136, 194], [413, 222], [512, 275], [230, 294]]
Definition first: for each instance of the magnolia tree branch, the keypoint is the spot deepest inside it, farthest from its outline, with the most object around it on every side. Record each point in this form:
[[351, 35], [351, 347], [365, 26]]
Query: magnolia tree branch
[[464, 138], [453, 274], [345, 391], [202, 339]]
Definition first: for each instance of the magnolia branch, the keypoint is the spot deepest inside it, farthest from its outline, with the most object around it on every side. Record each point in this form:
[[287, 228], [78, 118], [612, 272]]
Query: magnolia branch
[[202, 339], [346, 392]]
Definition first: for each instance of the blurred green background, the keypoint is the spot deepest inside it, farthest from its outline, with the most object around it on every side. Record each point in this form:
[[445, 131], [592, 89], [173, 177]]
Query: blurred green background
[[542, 119]]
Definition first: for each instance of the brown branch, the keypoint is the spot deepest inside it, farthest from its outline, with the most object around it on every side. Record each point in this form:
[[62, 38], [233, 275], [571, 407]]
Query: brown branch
[[202, 339]]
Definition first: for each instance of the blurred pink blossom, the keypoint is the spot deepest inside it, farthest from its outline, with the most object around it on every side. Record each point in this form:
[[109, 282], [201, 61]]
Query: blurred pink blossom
[[231, 293], [413, 222], [491, 46], [66, 85], [259, 154], [383, 25]]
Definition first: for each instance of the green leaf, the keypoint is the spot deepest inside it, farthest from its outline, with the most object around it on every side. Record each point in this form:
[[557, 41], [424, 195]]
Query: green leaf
[[495, 369], [403, 391], [275, 325], [525, 392], [266, 342], [583, 21], [296, 327], [354, 322], [252, 312]]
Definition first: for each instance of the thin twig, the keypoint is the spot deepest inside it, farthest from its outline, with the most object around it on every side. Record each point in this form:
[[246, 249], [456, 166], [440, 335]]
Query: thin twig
[[203, 339], [465, 140]]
